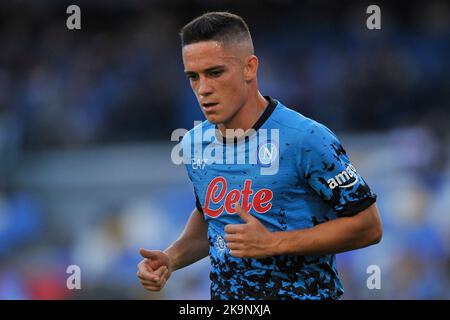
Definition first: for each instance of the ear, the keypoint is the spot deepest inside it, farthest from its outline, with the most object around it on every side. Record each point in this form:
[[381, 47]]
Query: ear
[[251, 68]]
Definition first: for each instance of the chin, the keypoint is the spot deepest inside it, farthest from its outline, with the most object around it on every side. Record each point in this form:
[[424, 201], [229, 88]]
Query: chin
[[214, 119]]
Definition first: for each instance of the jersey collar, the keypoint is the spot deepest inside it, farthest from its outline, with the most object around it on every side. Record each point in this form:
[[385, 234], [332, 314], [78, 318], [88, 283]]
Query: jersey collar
[[258, 124]]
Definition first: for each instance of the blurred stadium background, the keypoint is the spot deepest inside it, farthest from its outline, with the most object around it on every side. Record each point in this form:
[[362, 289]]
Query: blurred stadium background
[[86, 117]]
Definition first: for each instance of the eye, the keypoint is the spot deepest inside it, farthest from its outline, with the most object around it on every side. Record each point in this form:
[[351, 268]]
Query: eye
[[192, 77], [216, 73]]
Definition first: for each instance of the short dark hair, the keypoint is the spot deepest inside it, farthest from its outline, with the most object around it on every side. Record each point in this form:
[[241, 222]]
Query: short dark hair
[[215, 26]]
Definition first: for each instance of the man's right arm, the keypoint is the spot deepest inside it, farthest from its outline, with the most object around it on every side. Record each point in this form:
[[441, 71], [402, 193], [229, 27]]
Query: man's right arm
[[192, 245]]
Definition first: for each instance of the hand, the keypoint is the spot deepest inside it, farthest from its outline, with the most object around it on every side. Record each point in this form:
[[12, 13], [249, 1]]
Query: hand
[[249, 240], [154, 270]]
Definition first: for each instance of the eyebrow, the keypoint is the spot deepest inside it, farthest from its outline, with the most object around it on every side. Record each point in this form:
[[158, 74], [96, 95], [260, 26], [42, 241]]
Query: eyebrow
[[206, 70]]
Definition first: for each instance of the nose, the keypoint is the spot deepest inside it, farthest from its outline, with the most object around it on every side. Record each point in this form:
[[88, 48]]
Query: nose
[[204, 87]]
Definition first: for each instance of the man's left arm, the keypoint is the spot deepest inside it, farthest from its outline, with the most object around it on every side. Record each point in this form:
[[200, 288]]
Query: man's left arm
[[253, 240], [325, 166], [334, 236]]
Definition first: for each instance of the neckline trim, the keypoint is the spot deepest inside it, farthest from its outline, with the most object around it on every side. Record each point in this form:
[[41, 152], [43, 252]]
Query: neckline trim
[[258, 124], [266, 114]]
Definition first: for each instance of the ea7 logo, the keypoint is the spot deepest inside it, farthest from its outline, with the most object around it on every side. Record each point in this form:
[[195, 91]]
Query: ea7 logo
[[343, 179], [199, 163]]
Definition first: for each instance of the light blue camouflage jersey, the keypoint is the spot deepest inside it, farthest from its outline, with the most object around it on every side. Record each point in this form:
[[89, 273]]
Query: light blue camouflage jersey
[[302, 177]]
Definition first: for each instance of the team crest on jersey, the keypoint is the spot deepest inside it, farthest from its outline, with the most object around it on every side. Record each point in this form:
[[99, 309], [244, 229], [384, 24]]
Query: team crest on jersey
[[267, 153]]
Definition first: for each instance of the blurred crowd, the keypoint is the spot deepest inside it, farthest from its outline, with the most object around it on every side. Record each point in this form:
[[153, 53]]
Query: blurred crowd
[[83, 116]]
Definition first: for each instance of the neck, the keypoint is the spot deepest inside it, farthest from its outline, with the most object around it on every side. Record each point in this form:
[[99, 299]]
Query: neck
[[247, 116]]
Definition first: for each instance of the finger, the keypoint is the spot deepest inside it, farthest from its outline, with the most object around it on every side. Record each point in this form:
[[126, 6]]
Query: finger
[[145, 265], [156, 286], [156, 279], [232, 237], [148, 278], [153, 288], [157, 283], [160, 271], [149, 254], [149, 283], [235, 246], [247, 217], [234, 228], [165, 274], [237, 253], [164, 280], [145, 275]]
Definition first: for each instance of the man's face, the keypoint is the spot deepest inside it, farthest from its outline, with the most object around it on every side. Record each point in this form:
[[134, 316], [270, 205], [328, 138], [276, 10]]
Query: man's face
[[216, 75]]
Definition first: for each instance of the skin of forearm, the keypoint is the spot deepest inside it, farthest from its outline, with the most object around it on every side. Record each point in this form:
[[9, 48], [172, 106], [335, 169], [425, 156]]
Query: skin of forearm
[[192, 245], [335, 236], [186, 251]]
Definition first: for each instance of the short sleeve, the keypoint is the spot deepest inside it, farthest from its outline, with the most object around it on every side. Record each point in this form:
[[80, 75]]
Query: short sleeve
[[325, 166], [186, 151]]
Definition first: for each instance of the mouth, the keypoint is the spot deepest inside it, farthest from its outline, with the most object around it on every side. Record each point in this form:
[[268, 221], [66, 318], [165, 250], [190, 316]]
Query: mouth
[[209, 106]]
